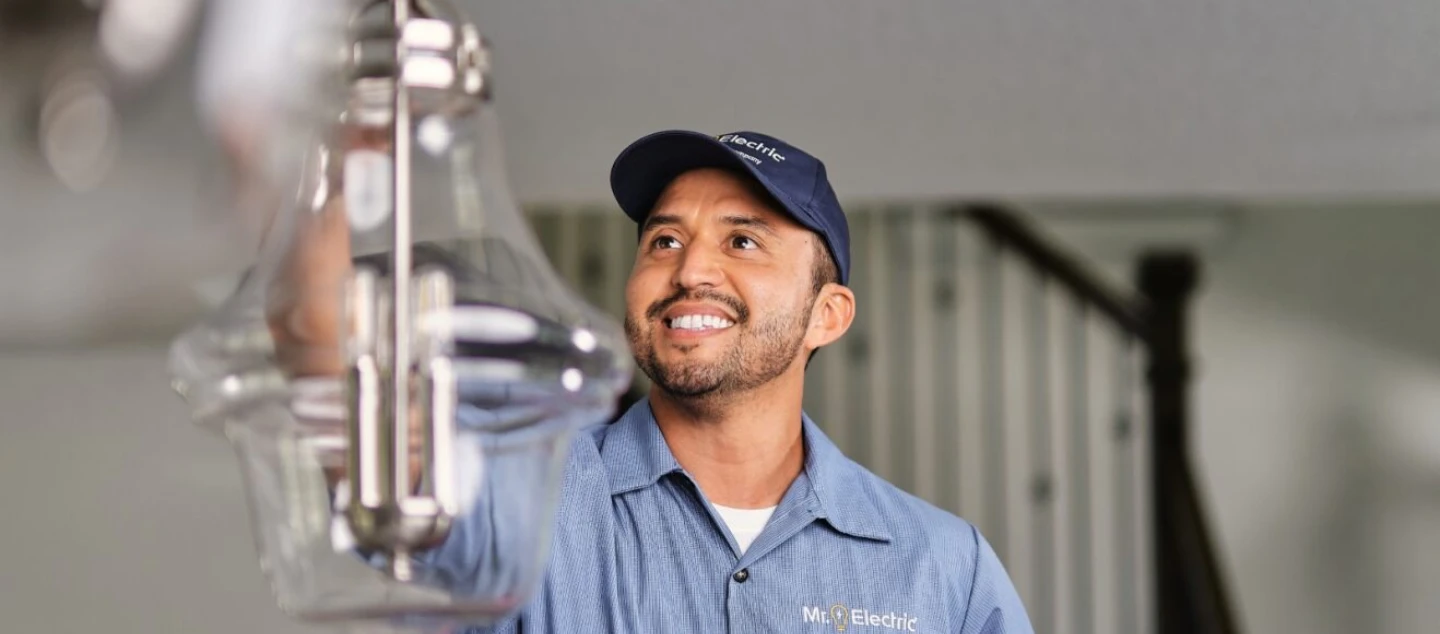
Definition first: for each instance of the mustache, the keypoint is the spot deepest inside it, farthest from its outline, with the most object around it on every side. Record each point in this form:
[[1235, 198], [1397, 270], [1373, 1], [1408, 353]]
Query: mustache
[[742, 313]]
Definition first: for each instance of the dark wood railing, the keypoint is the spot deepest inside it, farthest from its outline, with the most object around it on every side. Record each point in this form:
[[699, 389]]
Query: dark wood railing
[[1189, 591]]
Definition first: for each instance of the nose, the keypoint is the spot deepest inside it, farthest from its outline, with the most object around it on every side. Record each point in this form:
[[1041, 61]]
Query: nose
[[699, 266]]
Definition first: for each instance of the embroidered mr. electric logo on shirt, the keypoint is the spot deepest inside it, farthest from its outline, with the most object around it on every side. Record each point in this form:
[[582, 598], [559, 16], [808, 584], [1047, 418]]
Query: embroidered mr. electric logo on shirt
[[758, 146], [847, 619]]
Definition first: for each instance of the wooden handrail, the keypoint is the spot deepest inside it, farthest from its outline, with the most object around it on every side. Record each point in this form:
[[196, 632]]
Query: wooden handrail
[[1015, 234], [1190, 592]]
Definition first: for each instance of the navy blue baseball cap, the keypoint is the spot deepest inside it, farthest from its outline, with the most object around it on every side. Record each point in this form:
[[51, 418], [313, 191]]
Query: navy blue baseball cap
[[796, 179]]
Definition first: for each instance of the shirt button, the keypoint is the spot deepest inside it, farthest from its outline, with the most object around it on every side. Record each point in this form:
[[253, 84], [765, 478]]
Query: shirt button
[[742, 576]]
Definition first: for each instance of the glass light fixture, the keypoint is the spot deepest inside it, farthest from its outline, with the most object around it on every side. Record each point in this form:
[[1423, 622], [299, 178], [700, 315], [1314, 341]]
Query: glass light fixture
[[401, 370]]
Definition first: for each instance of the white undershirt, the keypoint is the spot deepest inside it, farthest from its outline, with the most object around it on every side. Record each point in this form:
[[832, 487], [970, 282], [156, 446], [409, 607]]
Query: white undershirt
[[745, 524]]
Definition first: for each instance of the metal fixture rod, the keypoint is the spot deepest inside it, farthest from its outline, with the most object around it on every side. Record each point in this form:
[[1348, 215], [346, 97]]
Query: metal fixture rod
[[401, 332]]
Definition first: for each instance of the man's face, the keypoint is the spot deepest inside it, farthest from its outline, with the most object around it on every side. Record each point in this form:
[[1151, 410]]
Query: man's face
[[721, 294]]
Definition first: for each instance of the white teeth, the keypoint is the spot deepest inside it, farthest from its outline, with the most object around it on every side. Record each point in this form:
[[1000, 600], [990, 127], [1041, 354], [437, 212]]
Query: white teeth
[[700, 322]]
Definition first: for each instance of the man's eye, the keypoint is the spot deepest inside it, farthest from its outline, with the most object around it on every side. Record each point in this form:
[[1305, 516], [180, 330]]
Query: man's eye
[[664, 242], [744, 242]]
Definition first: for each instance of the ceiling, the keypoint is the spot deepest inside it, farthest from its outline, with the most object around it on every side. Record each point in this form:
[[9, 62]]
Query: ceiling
[[963, 97], [966, 98]]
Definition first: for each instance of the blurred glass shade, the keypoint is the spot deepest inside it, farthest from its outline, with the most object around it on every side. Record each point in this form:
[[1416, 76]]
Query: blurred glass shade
[[400, 370]]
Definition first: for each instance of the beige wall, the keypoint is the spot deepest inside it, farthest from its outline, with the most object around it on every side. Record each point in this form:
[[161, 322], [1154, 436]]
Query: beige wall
[[120, 515]]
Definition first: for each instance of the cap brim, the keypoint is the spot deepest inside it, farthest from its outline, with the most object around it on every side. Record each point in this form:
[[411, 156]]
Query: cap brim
[[643, 171]]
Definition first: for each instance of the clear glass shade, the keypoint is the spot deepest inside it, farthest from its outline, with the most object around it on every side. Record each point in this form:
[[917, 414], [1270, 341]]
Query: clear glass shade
[[401, 363]]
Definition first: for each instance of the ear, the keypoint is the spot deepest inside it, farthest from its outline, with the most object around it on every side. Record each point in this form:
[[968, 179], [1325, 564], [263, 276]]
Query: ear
[[831, 316]]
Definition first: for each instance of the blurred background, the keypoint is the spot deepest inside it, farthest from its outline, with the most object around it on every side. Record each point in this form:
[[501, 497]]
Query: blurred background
[[1289, 148]]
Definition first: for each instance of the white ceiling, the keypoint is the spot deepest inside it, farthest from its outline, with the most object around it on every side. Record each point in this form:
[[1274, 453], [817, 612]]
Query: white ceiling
[[925, 98], [962, 97]]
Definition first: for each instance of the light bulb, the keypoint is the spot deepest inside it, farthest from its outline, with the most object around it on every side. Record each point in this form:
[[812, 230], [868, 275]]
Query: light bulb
[[840, 616], [401, 363]]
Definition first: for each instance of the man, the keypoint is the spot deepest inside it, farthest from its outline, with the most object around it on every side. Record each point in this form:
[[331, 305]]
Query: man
[[715, 503]]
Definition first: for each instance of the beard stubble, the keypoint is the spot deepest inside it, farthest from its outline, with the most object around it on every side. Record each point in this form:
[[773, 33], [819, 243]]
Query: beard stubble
[[764, 348]]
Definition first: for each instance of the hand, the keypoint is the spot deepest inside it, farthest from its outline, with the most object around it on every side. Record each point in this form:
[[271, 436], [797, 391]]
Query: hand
[[306, 305]]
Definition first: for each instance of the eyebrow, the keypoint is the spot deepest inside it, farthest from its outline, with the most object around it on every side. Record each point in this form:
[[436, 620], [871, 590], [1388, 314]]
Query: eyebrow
[[751, 221], [658, 220]]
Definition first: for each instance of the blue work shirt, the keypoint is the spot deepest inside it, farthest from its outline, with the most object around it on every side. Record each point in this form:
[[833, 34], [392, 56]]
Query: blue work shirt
[[638, 548]]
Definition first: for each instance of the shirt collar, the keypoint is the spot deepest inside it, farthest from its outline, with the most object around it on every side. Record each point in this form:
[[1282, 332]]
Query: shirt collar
[[636, 456], [635, 452], [843, 491]]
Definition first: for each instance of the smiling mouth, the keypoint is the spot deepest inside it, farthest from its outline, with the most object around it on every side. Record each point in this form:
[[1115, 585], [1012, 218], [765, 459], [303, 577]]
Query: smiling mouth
[[698, 323]]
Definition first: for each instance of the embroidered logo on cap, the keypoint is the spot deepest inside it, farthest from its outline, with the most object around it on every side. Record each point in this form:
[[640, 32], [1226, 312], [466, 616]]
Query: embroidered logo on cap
[[764, 150]]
